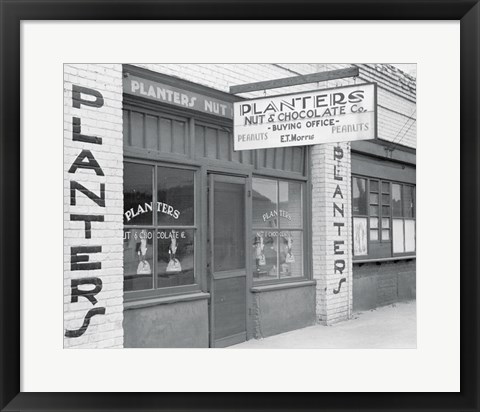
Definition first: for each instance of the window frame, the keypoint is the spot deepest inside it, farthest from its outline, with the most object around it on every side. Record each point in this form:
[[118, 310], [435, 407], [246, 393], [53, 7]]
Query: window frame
[[202, 166], [306, 272], [170, 290], [375, 248]]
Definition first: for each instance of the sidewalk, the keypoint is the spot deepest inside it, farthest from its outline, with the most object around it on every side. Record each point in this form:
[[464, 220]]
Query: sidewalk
[[388, 327]]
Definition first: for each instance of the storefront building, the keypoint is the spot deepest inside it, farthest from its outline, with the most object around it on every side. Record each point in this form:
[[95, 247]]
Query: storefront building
[[173, 239]]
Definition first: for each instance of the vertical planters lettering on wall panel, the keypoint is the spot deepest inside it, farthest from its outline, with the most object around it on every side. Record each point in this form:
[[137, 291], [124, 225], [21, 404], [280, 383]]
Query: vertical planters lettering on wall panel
[[93, 177]]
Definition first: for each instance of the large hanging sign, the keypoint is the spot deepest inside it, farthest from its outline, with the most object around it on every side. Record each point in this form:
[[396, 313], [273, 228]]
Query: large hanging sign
[[321, 116]]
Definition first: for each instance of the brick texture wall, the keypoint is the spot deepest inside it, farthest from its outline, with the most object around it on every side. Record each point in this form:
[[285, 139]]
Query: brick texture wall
[[93, 190], [379, 284], [332, 231]]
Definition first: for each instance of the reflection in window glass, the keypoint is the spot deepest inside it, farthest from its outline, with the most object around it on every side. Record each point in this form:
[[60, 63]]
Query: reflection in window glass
[[137, 259], [137, 194], [175, 257], [359, 196], [290, 208], [265, 213], [397, 200], [175, 205], [265, 249], [290, 254]]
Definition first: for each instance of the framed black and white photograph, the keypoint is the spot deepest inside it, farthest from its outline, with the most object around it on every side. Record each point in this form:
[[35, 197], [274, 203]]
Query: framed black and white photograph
[[201, 201]]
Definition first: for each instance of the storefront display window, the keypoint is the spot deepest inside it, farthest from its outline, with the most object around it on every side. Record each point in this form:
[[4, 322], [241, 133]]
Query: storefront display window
[[385, 226], [277, 238], [158, 247]]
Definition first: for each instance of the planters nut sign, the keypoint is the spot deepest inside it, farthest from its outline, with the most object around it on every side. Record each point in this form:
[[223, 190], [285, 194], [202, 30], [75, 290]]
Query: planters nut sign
[[320, 116]]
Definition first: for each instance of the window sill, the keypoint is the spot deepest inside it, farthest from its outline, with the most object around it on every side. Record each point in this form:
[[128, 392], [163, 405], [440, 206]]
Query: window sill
[[165, 300], [280, 286], [380, 260]]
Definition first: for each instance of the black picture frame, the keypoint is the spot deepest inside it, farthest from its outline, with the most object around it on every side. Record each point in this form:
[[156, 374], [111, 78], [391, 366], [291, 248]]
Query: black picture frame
[[13, 12]]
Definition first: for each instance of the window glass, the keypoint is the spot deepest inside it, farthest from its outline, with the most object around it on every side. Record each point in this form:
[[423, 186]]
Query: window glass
[[175, 257], [374, 198], [137, 259], [175, 194], [374, 223], [398, 236], [359, 196], [229, 226], [290, 254], [290, 208], [265, 210], [397, 200], [265, 249], [137, 194], [407, 201], [385, 187], [374, 186], [409, 235], [360, 244], [373, 234]]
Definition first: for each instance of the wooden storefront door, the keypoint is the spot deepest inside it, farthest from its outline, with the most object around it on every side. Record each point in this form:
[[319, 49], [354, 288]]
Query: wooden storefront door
[[227, 260]]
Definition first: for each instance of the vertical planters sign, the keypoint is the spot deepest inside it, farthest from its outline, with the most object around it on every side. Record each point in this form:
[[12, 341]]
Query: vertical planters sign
[[321, 116], [93, 179]]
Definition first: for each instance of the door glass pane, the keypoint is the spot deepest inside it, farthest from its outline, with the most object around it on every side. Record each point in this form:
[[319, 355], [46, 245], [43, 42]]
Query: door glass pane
[[290, 208], [265, 210], [229, 226], [137, 194], [175, 200], [290, 254], [373, 234], [397, 200], [386, 234], [137, 259], [359, 196], [374, 223], [264, 250], [175, 257]]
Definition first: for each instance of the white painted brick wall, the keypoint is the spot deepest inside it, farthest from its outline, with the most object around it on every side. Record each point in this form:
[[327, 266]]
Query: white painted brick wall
[[331, 307], [104, 331]]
